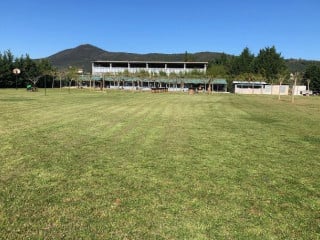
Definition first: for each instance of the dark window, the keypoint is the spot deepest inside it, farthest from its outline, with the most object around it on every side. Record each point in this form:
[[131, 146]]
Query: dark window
[[194, 65], [101, 64], [138, 65], [156, 65], [120, 64], [175, 65]]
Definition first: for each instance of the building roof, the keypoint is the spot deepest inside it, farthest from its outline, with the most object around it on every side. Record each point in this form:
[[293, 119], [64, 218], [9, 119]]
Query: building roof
[[157, 79], [104, 61], [219, 81], [250, 83]]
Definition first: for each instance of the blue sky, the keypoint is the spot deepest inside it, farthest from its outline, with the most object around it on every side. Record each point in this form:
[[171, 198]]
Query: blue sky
[[41, 28]]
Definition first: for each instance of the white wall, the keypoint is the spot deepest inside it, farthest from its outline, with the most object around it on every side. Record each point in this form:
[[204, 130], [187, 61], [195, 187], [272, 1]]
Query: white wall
[[267, 89], [299, 90]]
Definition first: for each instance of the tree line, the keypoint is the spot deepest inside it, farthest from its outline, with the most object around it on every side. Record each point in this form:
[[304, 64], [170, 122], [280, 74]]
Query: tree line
[[267, 66], [31, 71], [38, 73]]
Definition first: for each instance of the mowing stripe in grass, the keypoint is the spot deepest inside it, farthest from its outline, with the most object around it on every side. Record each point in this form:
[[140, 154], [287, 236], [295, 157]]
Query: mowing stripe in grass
[[129, 165]]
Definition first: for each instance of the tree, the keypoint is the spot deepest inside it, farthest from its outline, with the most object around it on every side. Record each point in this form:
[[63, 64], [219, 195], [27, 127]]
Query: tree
[[188, 57], [54, 74], [72, 74], [215, 71], [312, 73], [223, 59], [269, 63], [243, 63], [45, 70], [6, 67], [31, 70], [282, 77]]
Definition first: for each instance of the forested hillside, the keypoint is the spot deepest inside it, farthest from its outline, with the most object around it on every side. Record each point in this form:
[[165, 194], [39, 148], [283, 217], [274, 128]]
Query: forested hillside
[[82, 56]]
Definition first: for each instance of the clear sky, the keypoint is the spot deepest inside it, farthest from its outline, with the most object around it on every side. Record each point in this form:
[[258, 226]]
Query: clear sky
[[41, 28]]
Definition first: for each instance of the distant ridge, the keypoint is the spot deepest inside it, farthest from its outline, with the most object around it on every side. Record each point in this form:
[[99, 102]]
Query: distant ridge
[[82, 56]]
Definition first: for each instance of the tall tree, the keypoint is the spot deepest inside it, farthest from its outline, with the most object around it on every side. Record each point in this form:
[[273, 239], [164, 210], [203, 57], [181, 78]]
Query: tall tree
[[243, 63], [189, 57], [223, 59], [29, 69], [269, 63], [6, 67], [312, 73]]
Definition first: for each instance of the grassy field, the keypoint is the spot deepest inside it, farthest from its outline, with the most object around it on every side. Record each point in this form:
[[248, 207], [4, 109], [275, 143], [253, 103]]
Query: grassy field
[[124, 165]]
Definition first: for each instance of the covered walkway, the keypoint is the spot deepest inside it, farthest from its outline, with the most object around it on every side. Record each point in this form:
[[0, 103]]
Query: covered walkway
[[147, 83]]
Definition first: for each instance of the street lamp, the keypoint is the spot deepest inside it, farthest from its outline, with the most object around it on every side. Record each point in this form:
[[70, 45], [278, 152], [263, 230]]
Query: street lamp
[[16, 72]]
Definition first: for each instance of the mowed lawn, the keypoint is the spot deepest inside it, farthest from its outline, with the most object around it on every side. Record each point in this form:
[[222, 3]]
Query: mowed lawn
[[134, 165]]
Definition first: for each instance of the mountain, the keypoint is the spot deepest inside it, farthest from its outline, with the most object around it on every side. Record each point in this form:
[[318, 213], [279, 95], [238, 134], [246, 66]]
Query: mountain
[[80, 56], [83, 55]]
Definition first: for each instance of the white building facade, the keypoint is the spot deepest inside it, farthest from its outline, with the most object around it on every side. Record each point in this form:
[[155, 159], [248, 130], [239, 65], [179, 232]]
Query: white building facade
[[243, 87], [117, 67]]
